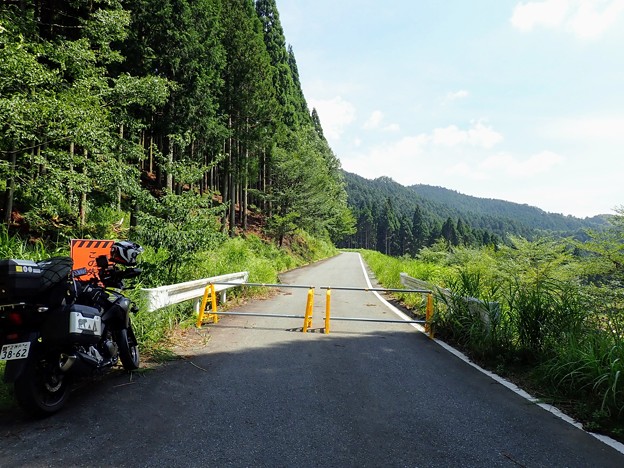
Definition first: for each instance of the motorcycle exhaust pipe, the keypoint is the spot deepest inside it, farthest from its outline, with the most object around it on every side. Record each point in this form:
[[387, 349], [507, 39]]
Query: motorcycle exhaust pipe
[[66, 361], [78, 364]]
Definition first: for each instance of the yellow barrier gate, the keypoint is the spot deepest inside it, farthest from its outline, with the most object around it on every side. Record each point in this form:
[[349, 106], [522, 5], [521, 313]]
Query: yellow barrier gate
[[426, 322], [209, 292], [214, 314]]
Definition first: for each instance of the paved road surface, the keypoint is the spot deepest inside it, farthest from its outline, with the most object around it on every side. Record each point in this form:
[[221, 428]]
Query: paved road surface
[[262, 394]]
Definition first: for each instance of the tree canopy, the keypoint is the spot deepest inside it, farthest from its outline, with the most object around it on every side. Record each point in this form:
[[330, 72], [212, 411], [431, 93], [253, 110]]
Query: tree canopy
[[112, 113]]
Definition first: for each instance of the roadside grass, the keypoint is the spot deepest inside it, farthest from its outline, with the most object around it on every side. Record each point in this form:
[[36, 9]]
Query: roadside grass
[[262, 259], [387, 270], [537, 326]]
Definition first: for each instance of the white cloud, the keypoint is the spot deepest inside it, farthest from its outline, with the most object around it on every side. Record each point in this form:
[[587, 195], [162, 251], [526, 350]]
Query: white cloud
[[586, 19], [455, 96], [604, 129], [549, 13], [479, 135], [537, 164], [374, 120], [411, 155], [449, 136], [335, 115], [589, 23], [467, 171], [505, 165], [392, 128], [388, 159]]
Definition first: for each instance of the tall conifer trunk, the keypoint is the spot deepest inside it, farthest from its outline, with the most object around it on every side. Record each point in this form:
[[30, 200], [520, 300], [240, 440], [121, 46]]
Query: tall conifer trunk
[[245, 190], [82, 208], [70, 190], [120, 156], [169, 181], [10, 188]]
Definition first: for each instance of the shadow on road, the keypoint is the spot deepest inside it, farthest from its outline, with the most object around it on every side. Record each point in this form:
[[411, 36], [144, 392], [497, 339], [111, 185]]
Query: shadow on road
[[391, 398]]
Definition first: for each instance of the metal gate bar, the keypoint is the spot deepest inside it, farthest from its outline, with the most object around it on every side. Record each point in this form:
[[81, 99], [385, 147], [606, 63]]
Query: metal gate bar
[[364, 319], [262, 314], [346, 288], [268, 285], [209, 293], [307, 318], [426, 322]]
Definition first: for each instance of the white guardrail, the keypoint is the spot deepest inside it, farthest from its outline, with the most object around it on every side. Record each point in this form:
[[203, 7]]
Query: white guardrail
[[173, 294], [413, 283], [488, 311]]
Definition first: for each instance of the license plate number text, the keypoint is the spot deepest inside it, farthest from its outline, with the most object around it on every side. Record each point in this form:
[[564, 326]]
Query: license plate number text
[[14, 351]]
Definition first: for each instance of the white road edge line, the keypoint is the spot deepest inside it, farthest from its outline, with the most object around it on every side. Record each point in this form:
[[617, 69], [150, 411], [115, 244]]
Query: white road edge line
[[511, 386]]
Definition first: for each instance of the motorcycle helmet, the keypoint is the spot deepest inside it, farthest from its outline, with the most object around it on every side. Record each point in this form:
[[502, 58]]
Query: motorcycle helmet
[[125, 252]]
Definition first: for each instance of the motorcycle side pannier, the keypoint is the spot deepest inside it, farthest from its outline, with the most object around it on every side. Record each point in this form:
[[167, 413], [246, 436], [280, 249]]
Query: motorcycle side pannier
[[20, 280], [74, 323]]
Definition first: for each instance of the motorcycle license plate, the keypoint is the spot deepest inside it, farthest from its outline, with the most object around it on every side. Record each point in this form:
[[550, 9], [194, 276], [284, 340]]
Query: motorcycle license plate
[[14, 351]]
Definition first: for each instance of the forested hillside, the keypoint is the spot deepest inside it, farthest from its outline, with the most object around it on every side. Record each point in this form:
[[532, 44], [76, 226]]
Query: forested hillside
[[171, 121], [481, 208], [396, 220]]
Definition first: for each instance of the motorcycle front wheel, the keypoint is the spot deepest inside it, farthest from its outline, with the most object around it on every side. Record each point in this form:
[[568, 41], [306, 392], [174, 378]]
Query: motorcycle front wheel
[[42, 389], [128, 348]]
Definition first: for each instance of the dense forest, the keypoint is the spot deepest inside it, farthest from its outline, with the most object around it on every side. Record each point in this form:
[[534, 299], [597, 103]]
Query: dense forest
[[398, 220], [176, 122], [180, 122]]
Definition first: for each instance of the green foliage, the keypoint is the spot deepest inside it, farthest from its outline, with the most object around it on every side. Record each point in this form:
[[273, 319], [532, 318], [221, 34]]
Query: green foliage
[[555, 306], [307, 248], [307, 191], [279, 226], [115, 105], [605, 250], [293, 111], [106, 222], [13, 246], [178, 227], [589, 369]]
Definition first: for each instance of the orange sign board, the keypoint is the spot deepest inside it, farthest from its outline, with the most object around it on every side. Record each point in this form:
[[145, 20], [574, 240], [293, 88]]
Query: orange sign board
[[85, 251]]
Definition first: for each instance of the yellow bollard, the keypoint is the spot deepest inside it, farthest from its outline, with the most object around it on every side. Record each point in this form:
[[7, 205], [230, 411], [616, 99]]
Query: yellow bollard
[[307, 321], [327, 310], [429, 315], [202, 308], [210, 290], [214, 315]]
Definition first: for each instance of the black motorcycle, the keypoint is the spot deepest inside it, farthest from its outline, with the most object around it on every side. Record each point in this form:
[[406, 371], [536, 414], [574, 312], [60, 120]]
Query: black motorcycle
[[55, 327]]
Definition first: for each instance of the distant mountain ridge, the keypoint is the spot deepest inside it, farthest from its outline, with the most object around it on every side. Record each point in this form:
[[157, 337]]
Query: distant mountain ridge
[[438, 204], [531, 215]]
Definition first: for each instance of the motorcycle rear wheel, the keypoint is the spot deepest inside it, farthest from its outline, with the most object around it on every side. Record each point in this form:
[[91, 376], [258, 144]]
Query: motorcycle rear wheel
[[128, 349], [42, 389]]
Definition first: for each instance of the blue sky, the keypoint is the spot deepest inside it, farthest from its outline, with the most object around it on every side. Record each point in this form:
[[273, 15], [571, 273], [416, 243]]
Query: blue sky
[[520, 101]]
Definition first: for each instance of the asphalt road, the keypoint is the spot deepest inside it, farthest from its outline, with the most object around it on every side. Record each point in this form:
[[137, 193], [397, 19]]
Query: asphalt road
[[261, 393]]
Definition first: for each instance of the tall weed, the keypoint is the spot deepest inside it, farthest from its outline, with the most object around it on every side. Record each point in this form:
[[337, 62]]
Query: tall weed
[[13, 246], [544, 313], [589, 368], [474, 317]]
